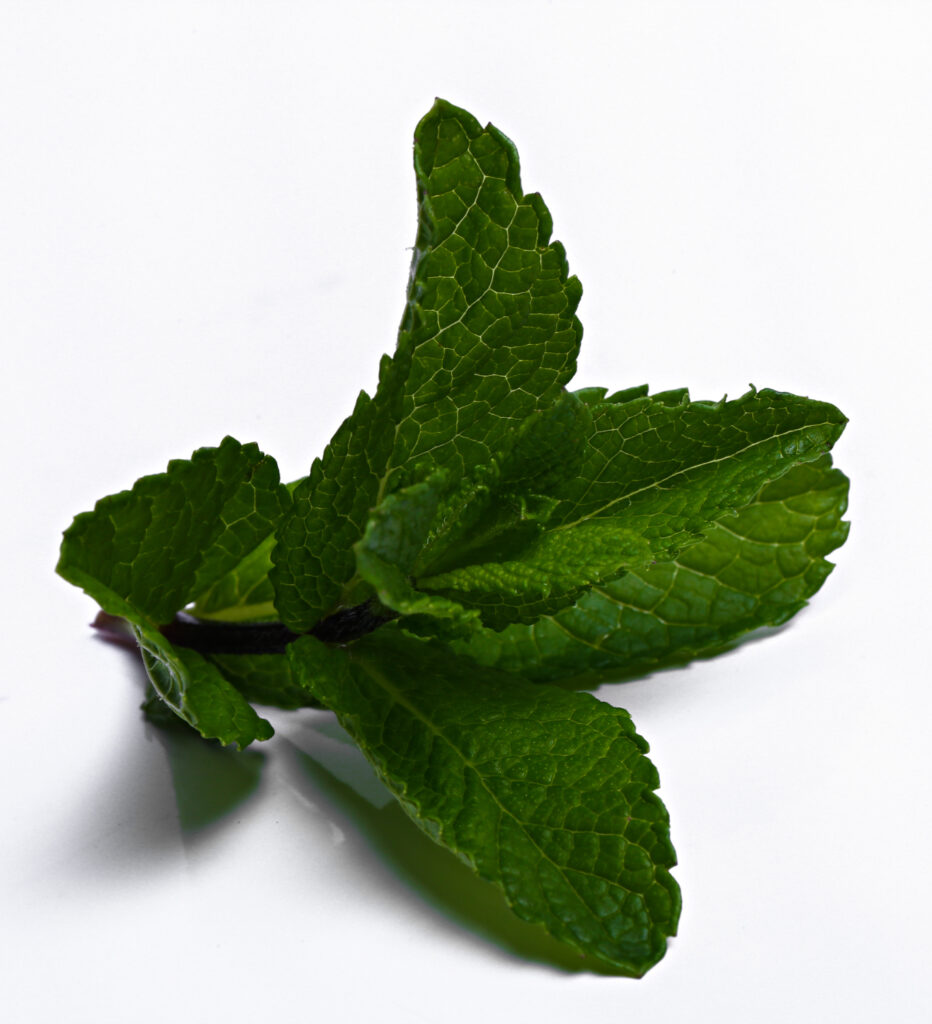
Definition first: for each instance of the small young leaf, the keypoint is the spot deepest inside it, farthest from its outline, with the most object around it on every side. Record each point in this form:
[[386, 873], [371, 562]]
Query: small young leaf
[[551, 572], [544, 792], [395, 535]]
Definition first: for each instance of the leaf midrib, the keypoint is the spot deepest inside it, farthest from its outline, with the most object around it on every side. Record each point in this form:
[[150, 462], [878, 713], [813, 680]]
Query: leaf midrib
[[687, 469], [390, 465], [380, 679]]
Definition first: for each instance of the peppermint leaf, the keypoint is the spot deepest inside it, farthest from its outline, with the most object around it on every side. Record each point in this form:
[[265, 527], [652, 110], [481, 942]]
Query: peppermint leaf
[[144, 554], [489, 336], [545, 793], [754, 570]]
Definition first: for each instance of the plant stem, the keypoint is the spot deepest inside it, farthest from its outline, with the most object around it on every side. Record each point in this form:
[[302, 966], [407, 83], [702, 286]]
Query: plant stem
[[215, 637]]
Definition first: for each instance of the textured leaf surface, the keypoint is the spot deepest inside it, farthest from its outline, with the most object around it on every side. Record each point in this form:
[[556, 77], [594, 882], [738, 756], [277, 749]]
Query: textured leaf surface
[[548, 447], [756, 569], [489, 335], [551, 573], [157, 546], [396, 533], [395, 591], [654, 474], [546, 793], [503, 505], [399, 527], [667, 467], [484, 519], [144, 554], [245, 593], [479, 522], [263, 678]]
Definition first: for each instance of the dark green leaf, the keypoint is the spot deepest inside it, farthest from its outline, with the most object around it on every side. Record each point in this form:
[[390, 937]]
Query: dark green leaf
[[655, 473], [546, 793], [489, 335], [667, 467], [756, 569], [263, 678], [245, 593], [145, 553], [551, 572], [158, 546]]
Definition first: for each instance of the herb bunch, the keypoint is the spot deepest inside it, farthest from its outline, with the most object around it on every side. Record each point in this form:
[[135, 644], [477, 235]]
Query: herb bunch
[[474, 533]]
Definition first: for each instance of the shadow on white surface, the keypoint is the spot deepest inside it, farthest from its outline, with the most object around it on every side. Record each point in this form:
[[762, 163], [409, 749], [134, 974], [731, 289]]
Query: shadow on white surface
[[137, 817], [144, 819], [126, 825], [378, 835]]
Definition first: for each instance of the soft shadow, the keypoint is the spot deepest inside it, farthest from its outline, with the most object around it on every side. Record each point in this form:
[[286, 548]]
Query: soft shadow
[[448, 886], [210, 781], [127, 822]]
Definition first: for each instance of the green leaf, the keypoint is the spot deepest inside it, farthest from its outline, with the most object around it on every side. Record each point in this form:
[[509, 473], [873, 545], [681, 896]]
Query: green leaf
[[395, 535], [481, 522], [398, 528], [264, 679], [548, 447], [546, 793], [754, 570], [156, 547], [551, 573], [489, 336], [245, 593], [667, 467], [144, 554], [500, 507], [197, 692], [655, 473]]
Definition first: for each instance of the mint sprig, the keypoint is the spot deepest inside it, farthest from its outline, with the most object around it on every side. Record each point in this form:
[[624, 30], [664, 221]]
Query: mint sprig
[[473, 533]]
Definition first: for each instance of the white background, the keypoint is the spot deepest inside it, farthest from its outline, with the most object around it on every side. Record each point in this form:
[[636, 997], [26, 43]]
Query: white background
[[205, 210]]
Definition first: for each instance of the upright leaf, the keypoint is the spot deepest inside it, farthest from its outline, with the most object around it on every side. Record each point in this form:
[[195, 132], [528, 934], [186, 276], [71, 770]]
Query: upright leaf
[[546, 793], [489, 335]]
